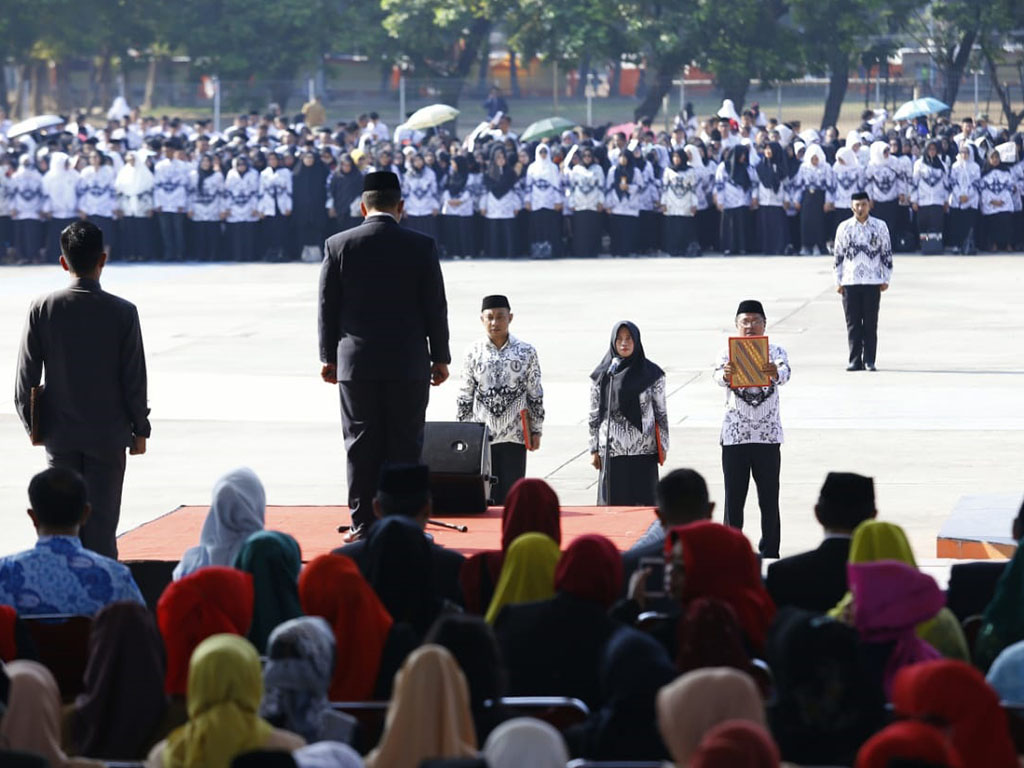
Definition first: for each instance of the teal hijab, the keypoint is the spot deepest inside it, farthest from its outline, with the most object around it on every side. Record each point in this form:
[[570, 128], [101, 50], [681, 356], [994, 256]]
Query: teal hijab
[[274, 560]]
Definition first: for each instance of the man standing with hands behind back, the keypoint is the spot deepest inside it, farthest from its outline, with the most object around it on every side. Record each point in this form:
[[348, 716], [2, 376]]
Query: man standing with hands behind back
[[863, 267], [383, 324], [90, 344]]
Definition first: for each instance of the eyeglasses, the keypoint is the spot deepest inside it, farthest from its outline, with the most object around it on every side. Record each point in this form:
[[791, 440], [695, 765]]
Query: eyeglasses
[[751, 323]]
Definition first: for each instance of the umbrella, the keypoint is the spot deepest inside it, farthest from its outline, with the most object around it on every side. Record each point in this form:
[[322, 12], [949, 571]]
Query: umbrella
[[546, 128], [626, 128], [428, 117], [919, 108], [34, 124]]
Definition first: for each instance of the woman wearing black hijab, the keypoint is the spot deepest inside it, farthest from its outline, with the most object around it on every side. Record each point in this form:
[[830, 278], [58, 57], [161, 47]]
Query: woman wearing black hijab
[[735, 194], [500, 205], [346, 192], [458, 227], [772, 225], [628, 421], [929, 196], [309, 198]]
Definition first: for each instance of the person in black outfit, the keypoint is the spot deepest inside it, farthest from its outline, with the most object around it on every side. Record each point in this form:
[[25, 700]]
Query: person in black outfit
[[89, 343], [383, 325], [682, 499], [973, 585], [816, 580], [404, 493]]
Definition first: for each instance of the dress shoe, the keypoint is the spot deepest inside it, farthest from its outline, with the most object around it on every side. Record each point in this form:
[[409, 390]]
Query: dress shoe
[[354, 534], [857, 366], [870, 367]]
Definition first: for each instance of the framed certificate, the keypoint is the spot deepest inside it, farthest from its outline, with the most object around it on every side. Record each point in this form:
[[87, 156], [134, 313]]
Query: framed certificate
[[748, 355]]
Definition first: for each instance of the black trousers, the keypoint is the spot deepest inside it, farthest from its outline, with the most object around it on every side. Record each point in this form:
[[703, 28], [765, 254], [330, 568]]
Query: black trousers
[[860, 303], [104, 479], [172, 235], [628, 481], [28, 239], [734, 230], [508, 464], [587, 227], [382, 422], [763, 461]]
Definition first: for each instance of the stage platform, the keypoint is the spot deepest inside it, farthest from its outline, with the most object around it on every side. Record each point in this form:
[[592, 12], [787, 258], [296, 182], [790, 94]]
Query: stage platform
[[980, 528], [316, 529]]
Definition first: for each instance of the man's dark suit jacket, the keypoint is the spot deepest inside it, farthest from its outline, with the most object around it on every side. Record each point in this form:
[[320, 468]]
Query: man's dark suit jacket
[[447, 564], [381, 299], [815, 580], [90, 344], [972, 587]]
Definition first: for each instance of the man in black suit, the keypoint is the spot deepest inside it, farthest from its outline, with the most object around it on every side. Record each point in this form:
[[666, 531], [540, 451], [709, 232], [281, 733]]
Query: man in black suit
[[383, 338], [89, 343], [682, 499], [404, 491], [816, 580]]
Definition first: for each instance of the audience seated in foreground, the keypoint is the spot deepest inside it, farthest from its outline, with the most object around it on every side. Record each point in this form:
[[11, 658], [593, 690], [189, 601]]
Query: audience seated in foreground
[[58, 575]]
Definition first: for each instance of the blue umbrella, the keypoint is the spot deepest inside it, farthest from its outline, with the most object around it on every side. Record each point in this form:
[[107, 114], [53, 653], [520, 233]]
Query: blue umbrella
[[919, 108]]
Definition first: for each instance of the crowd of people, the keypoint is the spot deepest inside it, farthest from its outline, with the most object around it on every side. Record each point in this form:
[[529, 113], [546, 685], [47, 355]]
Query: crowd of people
[[845, 656], [270, 188]]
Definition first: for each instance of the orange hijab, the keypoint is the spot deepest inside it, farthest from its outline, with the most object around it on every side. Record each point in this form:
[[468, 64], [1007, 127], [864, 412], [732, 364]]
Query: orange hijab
[[331, 586]]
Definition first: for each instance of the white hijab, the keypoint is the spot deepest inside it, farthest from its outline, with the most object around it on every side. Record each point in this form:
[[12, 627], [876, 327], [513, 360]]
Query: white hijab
[[543, 167], [728, 110], [879, 151], [847, 158], [237, 510], [694, 157], [852, 138], [134, 179], [814, 150], [524, 741], [327, 754]]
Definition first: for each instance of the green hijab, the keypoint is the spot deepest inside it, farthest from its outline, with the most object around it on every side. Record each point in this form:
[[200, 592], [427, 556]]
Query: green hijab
[[274, 560]]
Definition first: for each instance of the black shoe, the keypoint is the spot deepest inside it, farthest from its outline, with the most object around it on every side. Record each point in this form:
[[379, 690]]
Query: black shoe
[[855, 366], [870, 367]]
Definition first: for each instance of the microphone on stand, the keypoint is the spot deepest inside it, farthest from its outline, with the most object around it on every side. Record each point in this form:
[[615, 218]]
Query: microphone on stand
[[614, 365]]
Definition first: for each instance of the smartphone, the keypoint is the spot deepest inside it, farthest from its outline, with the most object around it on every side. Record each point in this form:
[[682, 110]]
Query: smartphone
[[655, 587]]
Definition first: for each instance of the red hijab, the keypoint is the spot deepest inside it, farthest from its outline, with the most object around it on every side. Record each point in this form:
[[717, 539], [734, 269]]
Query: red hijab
[[331, 586], [710, 636], [719, 563], [590, 569], [736, 744], [8, 642], [908, 740], [531, 506], [956, 694], [211, 601]]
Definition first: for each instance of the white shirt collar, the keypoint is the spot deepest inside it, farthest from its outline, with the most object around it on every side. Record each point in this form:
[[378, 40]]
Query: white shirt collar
[[383, 213]]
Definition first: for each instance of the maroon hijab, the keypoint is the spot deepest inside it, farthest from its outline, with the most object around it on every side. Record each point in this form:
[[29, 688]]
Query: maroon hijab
[[590, 569]]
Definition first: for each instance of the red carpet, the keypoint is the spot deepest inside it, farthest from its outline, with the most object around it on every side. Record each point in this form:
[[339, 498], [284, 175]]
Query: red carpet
[[315, 528]]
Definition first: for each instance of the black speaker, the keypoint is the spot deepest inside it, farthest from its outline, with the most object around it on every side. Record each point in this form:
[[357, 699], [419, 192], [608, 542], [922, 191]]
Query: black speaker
[[459, 456]]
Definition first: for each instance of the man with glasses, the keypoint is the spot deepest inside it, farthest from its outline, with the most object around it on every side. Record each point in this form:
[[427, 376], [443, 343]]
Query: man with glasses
[[751, 436]]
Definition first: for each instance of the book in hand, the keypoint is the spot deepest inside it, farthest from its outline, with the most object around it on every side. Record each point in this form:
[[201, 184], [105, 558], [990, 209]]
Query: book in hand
[[749, 356], [35, 404], [525, 417]]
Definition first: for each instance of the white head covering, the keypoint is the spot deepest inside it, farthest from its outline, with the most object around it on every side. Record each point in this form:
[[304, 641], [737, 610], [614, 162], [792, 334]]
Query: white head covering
[[543, 167], [119, 109], [693, 156], [810, 136], [524, 741], [847, 157], [785, 134], [728, 110], [878, 152], [237, 510], [797, 147], [815, 150], [853, 137], [134, 179], [327, 754]]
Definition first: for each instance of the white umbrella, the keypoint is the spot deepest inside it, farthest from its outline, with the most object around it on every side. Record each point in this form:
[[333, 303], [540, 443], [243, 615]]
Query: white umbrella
[[34, 124], [428, 117]]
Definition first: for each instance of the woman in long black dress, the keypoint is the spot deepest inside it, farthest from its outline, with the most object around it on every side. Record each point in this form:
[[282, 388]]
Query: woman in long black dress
[[628, 421], [309, 195]]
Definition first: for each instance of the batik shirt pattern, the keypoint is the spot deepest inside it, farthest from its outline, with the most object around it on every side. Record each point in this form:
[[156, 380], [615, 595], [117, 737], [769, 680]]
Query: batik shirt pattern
[[497, 385], [752, 413], [619, 436], [863, 252]]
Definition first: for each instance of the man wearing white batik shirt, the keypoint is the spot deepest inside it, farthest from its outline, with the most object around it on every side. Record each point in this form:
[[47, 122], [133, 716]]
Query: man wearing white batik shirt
[[863, 268], [752, 433], [501, 380]]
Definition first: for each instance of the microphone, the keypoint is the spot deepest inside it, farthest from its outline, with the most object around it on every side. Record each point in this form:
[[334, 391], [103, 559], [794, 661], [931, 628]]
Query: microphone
[[614, 366]]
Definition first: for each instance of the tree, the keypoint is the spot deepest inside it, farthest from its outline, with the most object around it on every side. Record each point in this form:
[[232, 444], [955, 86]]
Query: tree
[[995, 42], [834, 32], [743, 39], [949, 30]]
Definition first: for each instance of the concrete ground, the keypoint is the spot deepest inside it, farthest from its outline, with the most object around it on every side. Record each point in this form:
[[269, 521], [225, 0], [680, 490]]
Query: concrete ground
[[233, 366]]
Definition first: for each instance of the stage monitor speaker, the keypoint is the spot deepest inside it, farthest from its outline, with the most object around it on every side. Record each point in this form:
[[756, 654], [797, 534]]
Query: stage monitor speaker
[[459, 456]]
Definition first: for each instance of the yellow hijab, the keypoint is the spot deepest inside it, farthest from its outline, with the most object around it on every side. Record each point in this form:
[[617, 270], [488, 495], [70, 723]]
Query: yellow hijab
[[528, 573], [225, 686], [875, 540]]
